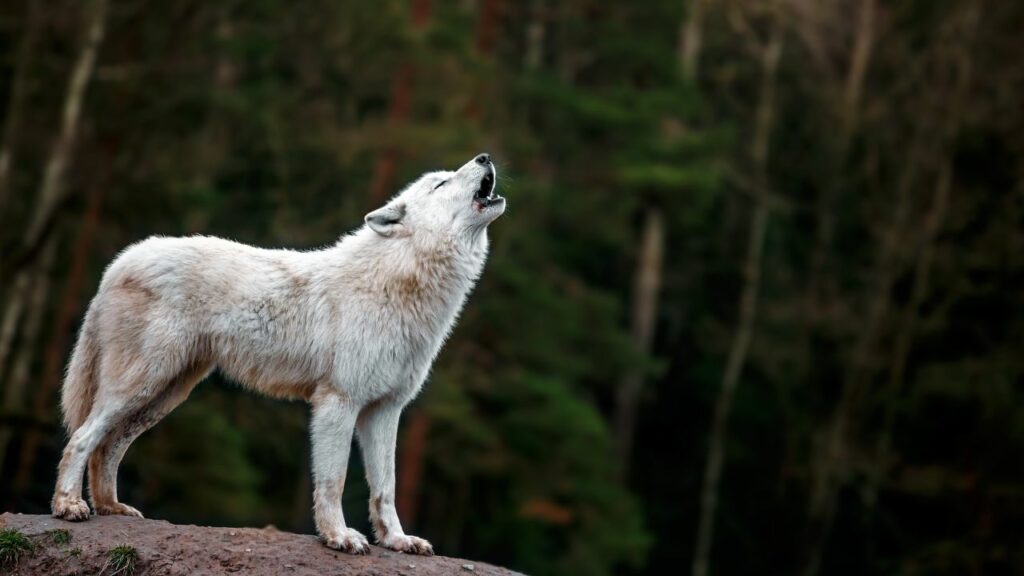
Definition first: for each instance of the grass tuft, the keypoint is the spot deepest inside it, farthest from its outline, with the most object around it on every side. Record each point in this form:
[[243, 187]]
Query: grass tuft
[[121, 561], [60, 536], [13, 546], [76, 552]]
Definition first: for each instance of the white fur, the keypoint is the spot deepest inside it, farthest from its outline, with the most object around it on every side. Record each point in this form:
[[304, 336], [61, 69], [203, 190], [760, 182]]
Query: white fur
[[352, 328]]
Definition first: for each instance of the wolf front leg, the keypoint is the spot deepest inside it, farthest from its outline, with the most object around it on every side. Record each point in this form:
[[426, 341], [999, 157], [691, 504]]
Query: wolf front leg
[[378, 434], [331, 428]]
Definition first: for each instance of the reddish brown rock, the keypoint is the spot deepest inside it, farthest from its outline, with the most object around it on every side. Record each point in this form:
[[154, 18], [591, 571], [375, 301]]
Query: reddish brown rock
[[170, 549]]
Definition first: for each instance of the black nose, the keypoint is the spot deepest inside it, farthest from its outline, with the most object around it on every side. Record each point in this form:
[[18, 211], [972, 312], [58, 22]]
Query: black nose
[[483, 159]]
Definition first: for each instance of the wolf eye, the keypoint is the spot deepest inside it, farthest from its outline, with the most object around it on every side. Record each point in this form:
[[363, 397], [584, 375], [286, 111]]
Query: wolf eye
[[442, 183]]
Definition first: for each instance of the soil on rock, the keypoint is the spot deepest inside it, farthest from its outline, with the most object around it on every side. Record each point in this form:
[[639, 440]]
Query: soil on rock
[[169, 549]]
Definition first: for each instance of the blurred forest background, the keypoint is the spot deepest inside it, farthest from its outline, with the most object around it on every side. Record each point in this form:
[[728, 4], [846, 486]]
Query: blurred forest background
[[757, 304]]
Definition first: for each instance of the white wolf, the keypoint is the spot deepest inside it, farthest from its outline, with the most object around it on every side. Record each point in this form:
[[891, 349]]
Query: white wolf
[[353, 329]]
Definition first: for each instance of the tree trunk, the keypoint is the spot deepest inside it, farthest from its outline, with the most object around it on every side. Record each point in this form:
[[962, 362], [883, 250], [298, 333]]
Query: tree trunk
[[536, 31], [225, 76], [485, 39], [302, 500], [12, 316], [414, 440], [58, 347], [19, 88], [904, 338], [487, 26], [646, 286], [15, 103], [410, 467], [17, 384], [831, 468], [398, 112], [747, 303], [818, 298], [831, 472], [647, 277], [51, 190], [35, 312], [849, 116], [932, 225], [691, 39]]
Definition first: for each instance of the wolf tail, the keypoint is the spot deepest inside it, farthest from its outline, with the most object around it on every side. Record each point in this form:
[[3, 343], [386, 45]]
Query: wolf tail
[[80, 382]]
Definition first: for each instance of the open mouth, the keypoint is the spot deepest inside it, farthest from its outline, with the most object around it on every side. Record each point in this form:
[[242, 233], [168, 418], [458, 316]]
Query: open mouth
[[485, 196]]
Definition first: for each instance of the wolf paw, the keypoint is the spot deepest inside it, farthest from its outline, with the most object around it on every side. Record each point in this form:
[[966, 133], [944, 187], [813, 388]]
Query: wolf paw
[[117, 509], [347, 540], [70, 508], [408, 545]]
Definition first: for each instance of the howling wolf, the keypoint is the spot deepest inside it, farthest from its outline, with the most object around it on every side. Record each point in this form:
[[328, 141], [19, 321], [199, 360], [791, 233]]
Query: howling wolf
[[352, 329]]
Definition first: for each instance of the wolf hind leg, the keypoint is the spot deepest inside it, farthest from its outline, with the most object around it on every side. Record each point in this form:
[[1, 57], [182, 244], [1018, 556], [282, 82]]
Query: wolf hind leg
[[67, 498], [106, 459], [130, 372]]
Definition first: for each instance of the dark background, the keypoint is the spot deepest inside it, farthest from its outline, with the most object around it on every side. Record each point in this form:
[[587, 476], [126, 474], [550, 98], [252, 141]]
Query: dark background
[[755, 306]]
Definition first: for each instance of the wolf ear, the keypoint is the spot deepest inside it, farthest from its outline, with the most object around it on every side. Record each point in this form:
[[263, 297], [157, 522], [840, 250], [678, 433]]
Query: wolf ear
[[385, 221]]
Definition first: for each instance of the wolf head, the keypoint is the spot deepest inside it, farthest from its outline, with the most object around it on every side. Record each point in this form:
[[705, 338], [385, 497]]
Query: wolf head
[[459, 203]]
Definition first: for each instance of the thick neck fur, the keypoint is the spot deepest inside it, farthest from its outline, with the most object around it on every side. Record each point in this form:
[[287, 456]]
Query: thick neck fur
[[425, 276]]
